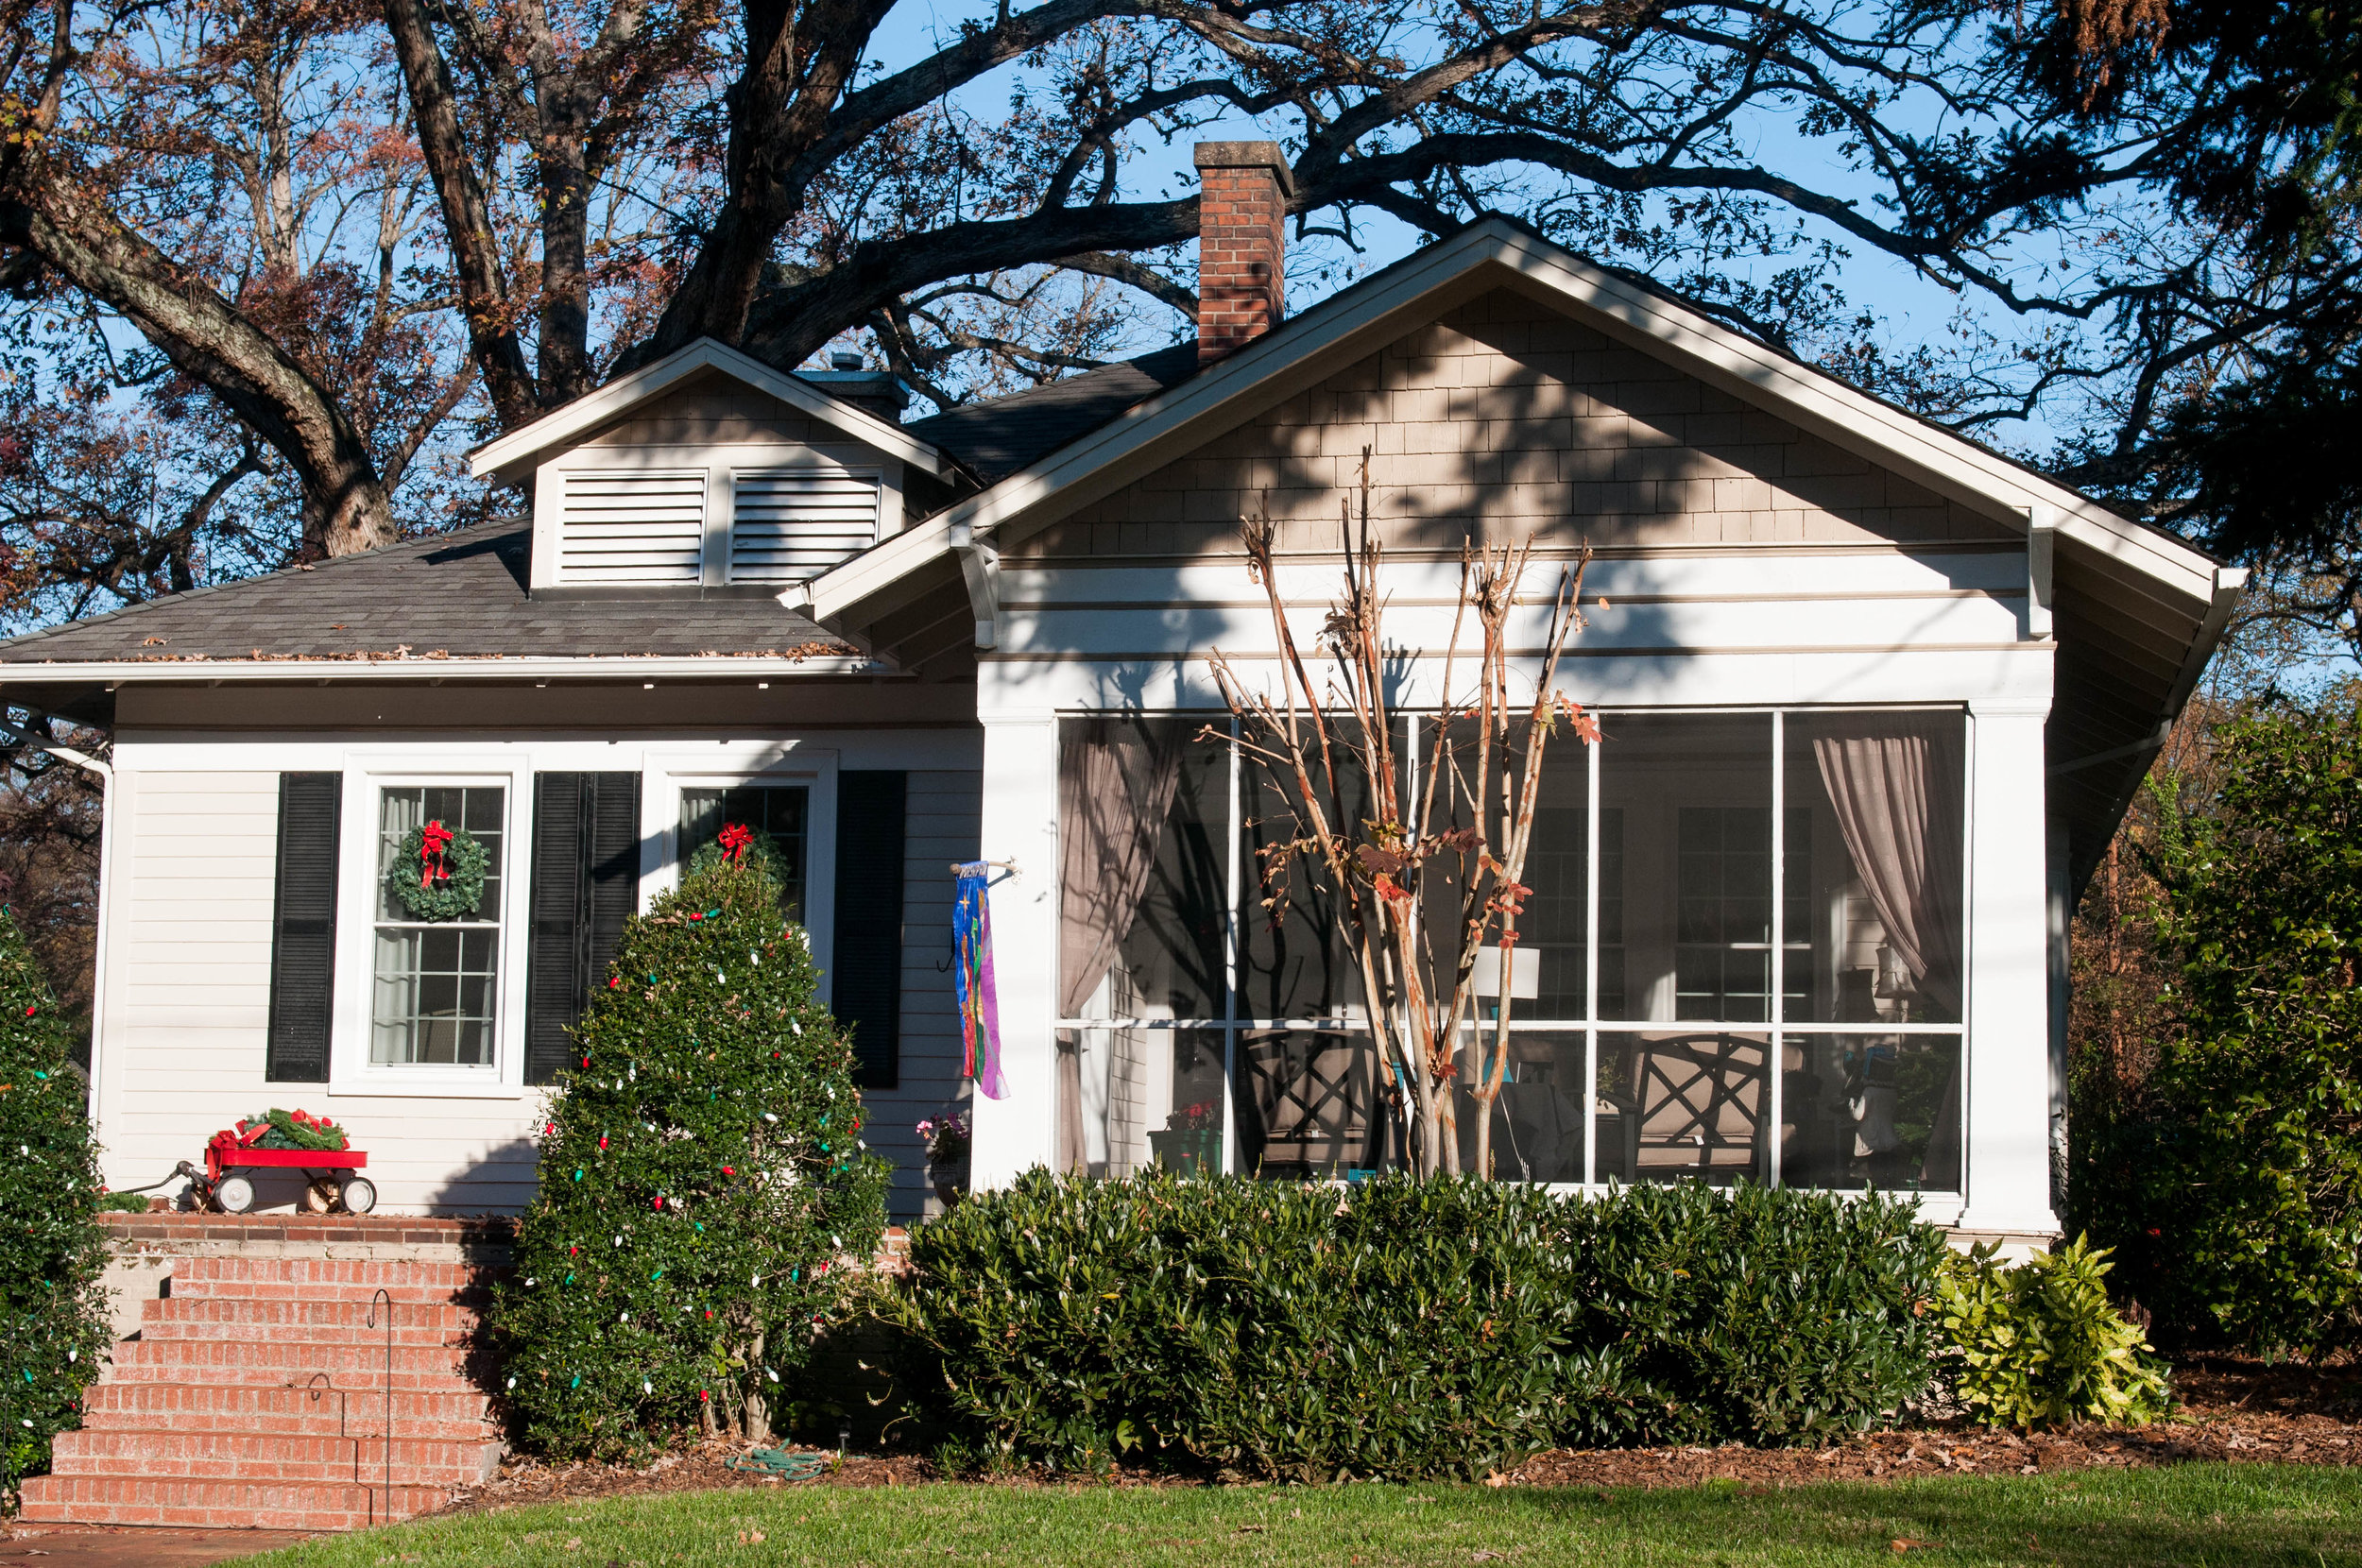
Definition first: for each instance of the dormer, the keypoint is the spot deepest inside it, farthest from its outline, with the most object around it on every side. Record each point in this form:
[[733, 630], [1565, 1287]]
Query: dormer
[[711, 470]]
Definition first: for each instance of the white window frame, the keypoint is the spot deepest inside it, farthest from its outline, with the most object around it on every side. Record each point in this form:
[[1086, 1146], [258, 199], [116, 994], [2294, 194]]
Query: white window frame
[[351, 1072], [665, 773]]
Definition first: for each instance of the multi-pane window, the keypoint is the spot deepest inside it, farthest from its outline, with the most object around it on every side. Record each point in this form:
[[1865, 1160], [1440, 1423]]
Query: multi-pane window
[[435, 983], [781, 811], [1723, 920], [1706, 1003]]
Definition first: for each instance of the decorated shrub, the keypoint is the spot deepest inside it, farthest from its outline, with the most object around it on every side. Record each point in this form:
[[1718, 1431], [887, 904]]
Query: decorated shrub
[[2040, 1344], [1404, 1327], [53, 1311], [702, 1183]]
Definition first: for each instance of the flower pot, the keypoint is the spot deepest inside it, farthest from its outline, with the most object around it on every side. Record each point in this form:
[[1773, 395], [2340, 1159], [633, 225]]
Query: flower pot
[[950, 1181], [1190, 1150]]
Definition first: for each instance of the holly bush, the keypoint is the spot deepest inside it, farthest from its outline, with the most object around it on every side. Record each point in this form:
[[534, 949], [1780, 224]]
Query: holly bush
[[2229, 1184], [703, 1185], [54, 1330]]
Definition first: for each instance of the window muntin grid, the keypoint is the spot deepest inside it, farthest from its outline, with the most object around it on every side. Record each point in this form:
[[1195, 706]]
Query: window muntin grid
[[435, 986]]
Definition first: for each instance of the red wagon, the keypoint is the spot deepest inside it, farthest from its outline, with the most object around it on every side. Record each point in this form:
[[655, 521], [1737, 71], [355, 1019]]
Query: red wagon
[[234, 1194]]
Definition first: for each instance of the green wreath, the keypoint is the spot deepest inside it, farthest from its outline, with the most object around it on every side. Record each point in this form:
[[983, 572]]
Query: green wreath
[[444, 886], [759, 848]]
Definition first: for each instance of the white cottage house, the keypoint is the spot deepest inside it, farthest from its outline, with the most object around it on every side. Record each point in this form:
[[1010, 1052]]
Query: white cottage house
[[1874, 700]]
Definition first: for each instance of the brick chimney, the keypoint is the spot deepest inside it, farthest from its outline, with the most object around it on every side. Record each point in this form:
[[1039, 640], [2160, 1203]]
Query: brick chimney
[[1242, 243]]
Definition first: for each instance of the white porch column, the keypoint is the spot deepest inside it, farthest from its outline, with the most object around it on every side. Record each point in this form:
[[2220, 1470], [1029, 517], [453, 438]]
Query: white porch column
[[2008, 1178], [1019, 821]]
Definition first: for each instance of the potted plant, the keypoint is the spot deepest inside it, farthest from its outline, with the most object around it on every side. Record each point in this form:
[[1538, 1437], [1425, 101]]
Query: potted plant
[[946, 1141], [1191, 1141]]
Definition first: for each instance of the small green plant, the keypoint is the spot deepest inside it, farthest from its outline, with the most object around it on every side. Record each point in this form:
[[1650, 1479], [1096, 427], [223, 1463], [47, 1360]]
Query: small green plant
[[2040, 1344], [124, 1202]]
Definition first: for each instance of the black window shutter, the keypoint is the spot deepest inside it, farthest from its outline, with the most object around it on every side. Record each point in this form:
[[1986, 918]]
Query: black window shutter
[[304, 928], [586, 879], [866, 987]]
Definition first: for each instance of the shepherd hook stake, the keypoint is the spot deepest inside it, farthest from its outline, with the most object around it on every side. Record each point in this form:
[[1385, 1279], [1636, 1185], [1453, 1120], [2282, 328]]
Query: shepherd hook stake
[[386, 1436]]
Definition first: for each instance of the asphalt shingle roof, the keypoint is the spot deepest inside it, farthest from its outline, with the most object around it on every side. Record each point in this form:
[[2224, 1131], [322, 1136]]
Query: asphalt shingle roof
[[460, 594], [996, 438]]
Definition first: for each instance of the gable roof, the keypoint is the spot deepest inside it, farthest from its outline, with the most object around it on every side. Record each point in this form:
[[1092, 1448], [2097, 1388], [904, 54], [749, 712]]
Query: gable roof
[[513, 456], [458, 599], [996, 437], [1357, 321]]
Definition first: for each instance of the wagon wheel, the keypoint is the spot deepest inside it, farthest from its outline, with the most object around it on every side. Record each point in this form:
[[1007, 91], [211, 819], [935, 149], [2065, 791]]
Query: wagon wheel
[[234, 1194]]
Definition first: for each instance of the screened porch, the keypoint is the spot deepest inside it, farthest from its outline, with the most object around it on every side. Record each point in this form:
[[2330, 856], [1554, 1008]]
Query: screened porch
[[1743, 958]]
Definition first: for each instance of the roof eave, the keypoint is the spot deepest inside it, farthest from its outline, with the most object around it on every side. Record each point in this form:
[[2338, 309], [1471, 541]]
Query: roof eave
[[592, 668], [511, 458]]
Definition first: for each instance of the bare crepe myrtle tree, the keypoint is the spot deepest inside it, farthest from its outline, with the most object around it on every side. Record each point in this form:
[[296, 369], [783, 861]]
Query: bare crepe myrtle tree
[[1396, 851]]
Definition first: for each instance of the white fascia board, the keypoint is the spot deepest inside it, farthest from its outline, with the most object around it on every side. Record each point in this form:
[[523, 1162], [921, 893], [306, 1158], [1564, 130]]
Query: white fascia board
[[1849, 418], [323, 671], [1343, 326], [513, 454]]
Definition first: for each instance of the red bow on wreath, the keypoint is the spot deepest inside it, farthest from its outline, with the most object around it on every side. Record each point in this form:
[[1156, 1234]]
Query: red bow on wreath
[[736, 840], [433, 840]]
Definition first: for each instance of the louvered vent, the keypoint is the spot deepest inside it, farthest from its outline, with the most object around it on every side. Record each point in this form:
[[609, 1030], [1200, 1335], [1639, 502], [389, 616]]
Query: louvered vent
[[632, 527], [798, 523]]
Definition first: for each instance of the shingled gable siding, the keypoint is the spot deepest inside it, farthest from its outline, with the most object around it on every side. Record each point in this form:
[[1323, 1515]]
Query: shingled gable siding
[[1508, 418], [714, 409]]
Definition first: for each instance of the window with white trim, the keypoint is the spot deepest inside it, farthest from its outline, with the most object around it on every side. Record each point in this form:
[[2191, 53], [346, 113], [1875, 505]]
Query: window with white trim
[[434, 984]]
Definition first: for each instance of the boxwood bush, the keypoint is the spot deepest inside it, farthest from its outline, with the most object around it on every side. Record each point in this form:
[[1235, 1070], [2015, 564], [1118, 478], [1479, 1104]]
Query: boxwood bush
[[1401, 1327]]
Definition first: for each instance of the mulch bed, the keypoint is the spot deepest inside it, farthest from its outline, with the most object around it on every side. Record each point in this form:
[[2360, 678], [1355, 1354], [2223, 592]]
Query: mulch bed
[[2231, 1409]]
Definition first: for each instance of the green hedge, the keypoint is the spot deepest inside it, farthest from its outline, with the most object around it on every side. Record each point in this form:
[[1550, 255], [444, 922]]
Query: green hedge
[[1401, 1327]]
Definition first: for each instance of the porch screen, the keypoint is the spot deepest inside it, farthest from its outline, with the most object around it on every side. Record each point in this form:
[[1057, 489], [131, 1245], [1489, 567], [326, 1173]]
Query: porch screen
[[1741, 959]]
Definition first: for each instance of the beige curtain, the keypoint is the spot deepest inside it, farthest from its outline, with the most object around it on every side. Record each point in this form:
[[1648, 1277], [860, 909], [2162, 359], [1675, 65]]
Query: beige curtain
[[1116, 780], [1895, 781]]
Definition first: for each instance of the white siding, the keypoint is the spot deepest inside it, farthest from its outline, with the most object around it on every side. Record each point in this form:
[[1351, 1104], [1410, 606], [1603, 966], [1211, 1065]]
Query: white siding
[[941, 830], [189, 974]]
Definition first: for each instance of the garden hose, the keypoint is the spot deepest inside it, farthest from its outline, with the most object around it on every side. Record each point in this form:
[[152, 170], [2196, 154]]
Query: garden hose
[[786, 1466]]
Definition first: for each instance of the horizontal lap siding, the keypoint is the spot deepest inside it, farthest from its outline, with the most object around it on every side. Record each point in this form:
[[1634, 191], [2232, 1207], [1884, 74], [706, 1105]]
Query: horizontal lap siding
[[1510, 420], [189, 1007], [941, 828]]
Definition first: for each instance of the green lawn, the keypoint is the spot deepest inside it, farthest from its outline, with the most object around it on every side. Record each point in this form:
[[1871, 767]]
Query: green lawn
[[2188, 1515]]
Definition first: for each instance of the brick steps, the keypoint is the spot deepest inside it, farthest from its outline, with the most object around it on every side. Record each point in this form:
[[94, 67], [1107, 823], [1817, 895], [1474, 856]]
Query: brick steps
[[255, 1396], [269, 1407], [350, 1366], [274, 1457], [183, 1317], [219, 1503]]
